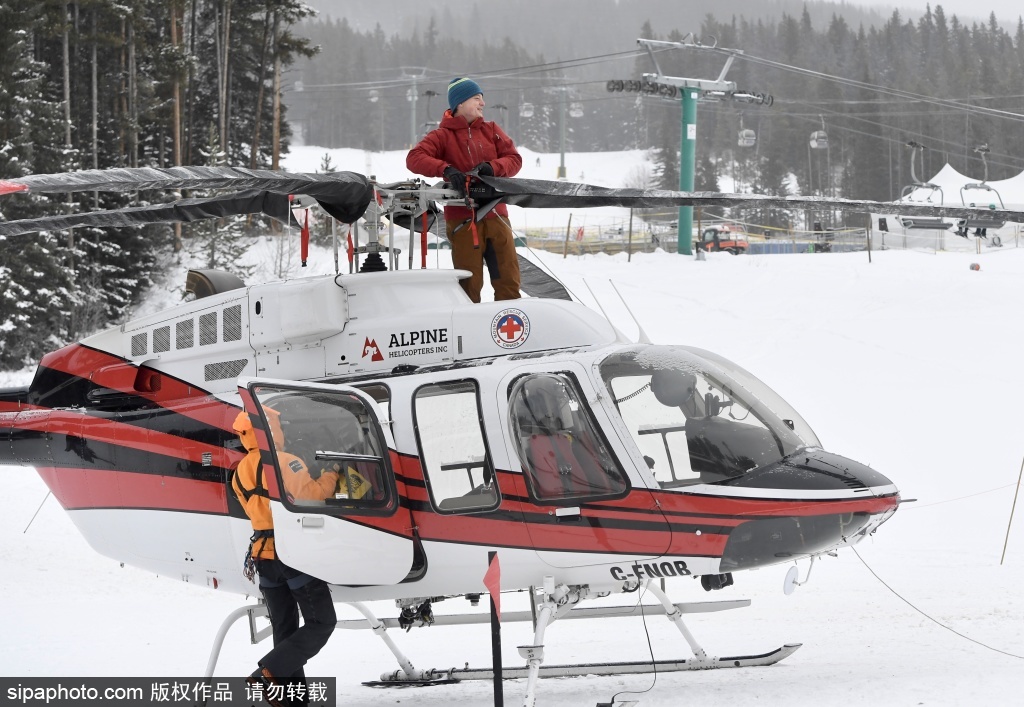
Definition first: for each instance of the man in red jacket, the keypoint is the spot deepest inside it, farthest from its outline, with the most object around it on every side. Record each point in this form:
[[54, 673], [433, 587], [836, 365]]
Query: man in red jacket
[[464, 145]]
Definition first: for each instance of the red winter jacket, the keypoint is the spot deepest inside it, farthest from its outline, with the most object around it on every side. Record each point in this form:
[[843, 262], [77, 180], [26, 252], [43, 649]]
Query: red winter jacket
[[464, 146]]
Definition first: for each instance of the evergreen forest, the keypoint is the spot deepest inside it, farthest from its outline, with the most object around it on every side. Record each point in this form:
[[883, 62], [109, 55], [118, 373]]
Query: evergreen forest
[[97, 84]]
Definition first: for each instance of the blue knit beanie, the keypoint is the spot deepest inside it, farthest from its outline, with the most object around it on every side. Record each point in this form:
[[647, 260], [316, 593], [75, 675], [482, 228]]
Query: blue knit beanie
[[461, 90]]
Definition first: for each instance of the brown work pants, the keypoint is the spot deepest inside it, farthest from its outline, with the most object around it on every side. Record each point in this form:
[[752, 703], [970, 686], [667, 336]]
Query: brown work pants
[[496, 249]]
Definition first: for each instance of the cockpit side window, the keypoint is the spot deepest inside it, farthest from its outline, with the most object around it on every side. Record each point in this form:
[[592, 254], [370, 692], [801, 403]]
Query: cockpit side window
[[457, 465], [562, 453], [328, 451], [381, 395]]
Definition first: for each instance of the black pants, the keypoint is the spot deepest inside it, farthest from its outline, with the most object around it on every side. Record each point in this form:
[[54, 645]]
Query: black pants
[[287, 593]]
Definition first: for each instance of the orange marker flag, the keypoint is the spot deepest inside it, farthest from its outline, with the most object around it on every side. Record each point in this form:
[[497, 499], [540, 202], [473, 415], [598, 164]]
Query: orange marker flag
[[492, 580]]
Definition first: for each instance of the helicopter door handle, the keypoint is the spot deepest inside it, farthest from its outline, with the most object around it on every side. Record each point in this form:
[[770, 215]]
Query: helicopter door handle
[[312, 523], [564, 515]]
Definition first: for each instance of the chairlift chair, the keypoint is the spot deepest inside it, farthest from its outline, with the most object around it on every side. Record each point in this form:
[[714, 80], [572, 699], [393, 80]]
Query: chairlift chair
[[575, 110], [931, 223], [979, 224], [526, 110], [924, 223], [916, 147], [819, 140], [747, 137]]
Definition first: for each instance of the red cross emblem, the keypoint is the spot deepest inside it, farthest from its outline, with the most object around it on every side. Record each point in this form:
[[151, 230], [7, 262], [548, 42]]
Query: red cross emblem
[[510, 328]]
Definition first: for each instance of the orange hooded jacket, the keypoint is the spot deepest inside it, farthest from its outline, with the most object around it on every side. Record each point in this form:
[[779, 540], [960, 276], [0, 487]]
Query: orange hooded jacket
[[248, 485]]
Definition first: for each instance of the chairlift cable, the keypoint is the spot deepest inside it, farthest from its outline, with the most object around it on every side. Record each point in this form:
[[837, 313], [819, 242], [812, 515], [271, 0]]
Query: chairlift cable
[[994, 112], [1014, 163]]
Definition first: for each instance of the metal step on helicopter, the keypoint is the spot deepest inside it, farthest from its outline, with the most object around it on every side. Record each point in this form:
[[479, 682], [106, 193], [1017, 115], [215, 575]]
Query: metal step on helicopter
[[591, 464]]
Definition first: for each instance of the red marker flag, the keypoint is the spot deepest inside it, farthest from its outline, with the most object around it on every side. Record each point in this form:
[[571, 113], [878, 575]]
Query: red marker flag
[[423, 243], [10, 187], [304, 240], [492, 580]]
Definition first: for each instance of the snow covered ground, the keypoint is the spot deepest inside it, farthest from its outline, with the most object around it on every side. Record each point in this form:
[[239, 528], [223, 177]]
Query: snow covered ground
[[911, 363]]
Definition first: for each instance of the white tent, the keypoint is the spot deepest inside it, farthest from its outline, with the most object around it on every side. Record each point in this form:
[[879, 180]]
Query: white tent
[[951, 188]]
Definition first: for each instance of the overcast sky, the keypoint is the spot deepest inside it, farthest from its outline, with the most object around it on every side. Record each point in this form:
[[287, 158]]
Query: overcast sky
[[1007, 11]]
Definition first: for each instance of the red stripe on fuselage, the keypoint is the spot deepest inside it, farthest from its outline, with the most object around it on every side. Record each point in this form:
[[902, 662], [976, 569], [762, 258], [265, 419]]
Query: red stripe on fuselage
[[79, 489], [754, 508], [79, 424], [90, 488], [110, 371], [6, 407]]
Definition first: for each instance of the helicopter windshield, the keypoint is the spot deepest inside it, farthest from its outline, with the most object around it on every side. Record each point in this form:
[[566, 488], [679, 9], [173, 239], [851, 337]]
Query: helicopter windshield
[[699, 418]]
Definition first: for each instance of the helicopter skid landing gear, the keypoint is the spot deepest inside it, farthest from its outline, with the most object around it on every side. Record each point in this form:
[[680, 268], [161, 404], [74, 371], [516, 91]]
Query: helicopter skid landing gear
[[406, 673], [557, 602], [675, 615], [252, 611], [560, 602]]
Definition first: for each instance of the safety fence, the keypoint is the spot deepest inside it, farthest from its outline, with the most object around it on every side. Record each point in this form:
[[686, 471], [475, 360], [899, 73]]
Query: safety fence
[[778, 242], [935, 240]]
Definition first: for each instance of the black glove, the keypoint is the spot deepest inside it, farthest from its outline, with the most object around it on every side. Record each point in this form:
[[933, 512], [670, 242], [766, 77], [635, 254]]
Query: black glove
[[484, 169], [456, 178]]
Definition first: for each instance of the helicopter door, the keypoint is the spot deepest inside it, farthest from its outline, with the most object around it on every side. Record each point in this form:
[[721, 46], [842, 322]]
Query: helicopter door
[[335, 498], [591, 509]]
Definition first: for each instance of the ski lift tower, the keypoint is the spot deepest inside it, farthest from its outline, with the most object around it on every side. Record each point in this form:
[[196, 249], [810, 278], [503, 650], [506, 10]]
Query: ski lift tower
[[690, 90], [416, 73], [575, 110]]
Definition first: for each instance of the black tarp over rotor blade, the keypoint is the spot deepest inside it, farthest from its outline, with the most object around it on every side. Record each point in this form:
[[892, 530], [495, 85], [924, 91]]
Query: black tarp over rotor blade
[[541, 194], [344, 195], [181, 211], [537, 283]]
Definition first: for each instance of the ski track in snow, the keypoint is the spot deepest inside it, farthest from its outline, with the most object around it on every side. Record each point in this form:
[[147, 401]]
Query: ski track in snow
[[910, 364]]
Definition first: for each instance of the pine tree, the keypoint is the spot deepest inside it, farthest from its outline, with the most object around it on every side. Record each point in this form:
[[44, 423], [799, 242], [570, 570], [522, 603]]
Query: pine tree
[[666, 154], [323, 234], [35, 274], [221, 243]]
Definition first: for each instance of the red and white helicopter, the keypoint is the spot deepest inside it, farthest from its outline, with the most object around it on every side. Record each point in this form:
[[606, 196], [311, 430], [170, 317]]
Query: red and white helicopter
[[532, 428]]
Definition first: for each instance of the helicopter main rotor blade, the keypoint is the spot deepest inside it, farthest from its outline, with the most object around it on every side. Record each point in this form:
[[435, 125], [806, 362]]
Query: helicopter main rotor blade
[[344, 195], [541, 194], [181, 211]]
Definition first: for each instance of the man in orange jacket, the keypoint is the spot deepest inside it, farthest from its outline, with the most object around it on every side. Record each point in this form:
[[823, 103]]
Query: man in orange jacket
[[463, 146], [286, 591]]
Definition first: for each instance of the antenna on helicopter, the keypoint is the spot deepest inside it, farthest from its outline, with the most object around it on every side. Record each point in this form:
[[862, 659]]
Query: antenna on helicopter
[[642, 337], [597, 301]]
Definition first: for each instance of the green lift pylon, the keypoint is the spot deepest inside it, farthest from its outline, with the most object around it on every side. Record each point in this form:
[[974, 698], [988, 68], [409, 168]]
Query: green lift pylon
[[687, 168], [692, 90]]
